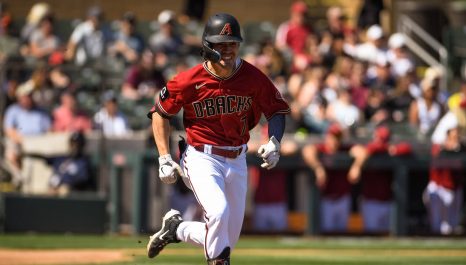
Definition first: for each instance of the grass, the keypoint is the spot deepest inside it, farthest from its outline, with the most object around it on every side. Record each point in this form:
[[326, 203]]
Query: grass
[[267, 250]]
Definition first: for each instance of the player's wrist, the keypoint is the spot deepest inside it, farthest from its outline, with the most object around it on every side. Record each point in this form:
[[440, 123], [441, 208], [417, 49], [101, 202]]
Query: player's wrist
[[165, 158]]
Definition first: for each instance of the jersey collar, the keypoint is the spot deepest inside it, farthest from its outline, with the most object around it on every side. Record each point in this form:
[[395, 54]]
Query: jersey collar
[[239, 63]]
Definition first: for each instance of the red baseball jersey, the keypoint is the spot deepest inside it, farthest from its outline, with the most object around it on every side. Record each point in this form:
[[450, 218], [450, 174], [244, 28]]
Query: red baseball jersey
[[447, 169], [220, 111], [337, 184], [377, 183]]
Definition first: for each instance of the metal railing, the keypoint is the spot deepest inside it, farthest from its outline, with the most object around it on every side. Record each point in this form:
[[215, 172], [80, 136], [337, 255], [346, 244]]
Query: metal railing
[[408, 28]]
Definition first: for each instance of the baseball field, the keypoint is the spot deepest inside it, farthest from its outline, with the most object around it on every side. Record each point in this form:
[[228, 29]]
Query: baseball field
[[124, 250]]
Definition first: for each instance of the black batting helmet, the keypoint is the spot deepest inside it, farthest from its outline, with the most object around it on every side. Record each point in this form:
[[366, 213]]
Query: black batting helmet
[[221, 27]]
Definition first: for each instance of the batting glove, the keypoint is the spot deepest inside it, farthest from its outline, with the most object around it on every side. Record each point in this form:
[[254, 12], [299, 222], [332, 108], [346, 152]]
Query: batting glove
[[270, 153], [169, 170]]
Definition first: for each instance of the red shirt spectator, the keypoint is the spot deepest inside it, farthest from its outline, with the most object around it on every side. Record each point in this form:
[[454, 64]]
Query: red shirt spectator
[[67, 118]]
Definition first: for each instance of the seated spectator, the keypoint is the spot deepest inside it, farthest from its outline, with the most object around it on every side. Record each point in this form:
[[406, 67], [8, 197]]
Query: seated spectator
[[399, 101], [109, 119], [35, 15], [334, 186], [68, 118], [9, 44], [425, 112], [166, 40], [292, 34], [443, 196], [376, 110], [89, 40], [43, 41], [398, 56], [458, 98], [22, 119], [128, 44], [143, 79], [376, 184], [372, 50], [342, 111], [73, 171]]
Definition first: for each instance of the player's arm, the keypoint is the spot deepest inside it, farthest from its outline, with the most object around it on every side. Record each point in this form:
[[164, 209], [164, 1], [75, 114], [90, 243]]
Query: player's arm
[[360, 155], [277, 126], [310, 155], [161, 130]]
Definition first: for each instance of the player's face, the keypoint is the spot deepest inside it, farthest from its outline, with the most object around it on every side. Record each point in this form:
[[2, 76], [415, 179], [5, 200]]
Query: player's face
[[229, 52]]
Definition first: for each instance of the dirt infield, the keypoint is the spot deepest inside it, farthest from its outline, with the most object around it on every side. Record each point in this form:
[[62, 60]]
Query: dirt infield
[[102, 256], [81, 256]]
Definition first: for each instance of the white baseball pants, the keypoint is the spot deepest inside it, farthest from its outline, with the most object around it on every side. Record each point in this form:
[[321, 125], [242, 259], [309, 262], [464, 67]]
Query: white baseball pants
[[220, 186]]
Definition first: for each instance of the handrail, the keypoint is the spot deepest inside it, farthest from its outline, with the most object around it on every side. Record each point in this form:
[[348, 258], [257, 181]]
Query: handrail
[[406, 25]]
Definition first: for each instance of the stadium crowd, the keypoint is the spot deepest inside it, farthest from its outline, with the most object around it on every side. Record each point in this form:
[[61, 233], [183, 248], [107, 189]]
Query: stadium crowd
[[342, 83]]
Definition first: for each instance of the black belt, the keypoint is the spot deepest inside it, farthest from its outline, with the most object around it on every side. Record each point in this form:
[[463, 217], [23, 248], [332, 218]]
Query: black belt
[[221, 152]]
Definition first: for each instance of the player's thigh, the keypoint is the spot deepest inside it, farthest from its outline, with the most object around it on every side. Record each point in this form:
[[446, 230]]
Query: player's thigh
[[204, 175]]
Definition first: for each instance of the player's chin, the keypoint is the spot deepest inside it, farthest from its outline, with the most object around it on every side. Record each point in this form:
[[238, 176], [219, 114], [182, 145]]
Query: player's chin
[[227, 62]]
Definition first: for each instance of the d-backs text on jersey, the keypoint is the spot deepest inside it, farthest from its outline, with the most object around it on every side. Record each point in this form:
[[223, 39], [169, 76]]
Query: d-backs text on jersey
[[221, 105]]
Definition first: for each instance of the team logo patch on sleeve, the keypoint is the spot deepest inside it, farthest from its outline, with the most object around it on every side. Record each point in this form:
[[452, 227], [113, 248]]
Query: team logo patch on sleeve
[[164, 94]]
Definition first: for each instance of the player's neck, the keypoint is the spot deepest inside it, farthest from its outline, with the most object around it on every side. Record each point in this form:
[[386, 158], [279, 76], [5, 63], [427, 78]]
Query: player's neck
[[221, 70]]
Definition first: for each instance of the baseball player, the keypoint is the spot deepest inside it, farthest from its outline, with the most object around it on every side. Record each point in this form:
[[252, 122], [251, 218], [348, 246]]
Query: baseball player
[[222, 99]]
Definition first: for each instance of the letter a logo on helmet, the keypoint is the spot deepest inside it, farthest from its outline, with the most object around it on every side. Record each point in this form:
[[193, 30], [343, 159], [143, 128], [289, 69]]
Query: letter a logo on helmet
[[226, 30]]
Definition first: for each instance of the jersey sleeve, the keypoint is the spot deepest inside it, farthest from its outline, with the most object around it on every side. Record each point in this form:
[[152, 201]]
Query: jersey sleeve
[[169, 101], [270, 99]]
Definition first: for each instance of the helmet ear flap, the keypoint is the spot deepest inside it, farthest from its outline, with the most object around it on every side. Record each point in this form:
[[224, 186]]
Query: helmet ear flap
[[208, 53]]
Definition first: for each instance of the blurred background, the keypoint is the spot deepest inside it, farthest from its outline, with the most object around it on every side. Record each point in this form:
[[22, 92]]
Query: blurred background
[[374, 145]]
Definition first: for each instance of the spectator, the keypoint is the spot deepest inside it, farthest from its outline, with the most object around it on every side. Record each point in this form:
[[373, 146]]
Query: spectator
[[109, 119], [399, 101], [68, 118], [292, 34], [342, 111], [73, 171], [425, 112], [444, 193], [128, 44], [372, 50], [167, 40], [376, 183], [8, 43], [43, 41], [89, 40], [398, 56], [455, 117], [376, 110], [22, 119], [459, 97], [35, 15], [335, 188], [143, 79], [336, 25]]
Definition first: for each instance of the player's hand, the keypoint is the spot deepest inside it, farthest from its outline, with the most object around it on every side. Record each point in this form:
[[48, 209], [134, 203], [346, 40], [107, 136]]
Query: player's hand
[[169, 170], [270, 153]]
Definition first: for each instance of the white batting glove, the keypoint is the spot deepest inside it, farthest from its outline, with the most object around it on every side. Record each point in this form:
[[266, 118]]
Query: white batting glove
[[270, 153], [169, 170]]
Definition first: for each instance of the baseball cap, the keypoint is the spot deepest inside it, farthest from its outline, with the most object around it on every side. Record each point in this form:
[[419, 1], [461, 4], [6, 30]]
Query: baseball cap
[[335, 130], [382, 133], [25, 88], [95, 11], [166, 16], [374, 32], [109, 96], [129, 17], [299, 7], [397, 40]]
